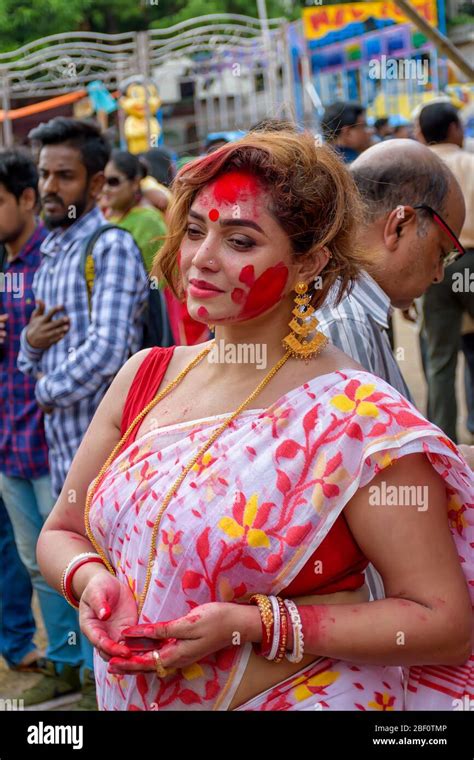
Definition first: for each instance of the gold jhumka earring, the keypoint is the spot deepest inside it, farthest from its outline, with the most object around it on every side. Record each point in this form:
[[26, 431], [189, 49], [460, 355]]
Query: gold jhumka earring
[[302, 325]]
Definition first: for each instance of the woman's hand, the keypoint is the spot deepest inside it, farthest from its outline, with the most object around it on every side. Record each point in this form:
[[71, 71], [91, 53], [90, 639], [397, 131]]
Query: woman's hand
[[203, 631], [107, 606]]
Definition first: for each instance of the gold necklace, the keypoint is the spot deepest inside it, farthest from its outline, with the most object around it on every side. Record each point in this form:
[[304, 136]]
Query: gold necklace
[[174, 488]]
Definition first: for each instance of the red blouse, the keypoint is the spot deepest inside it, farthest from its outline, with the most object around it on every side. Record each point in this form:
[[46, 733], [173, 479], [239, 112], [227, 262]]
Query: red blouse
[[341, 560]]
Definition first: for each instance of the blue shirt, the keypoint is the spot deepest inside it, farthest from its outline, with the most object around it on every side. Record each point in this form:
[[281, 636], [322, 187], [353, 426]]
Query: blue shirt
[[79, 368], [348, 155]]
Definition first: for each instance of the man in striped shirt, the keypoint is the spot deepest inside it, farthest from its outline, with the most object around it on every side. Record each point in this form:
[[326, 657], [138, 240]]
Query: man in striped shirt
[[408, 250], [93, 340], [407, 246]]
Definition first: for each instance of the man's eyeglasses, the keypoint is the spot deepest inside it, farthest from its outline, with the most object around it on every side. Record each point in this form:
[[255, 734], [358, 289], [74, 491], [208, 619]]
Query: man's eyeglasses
[[459, 250], [113, 181]]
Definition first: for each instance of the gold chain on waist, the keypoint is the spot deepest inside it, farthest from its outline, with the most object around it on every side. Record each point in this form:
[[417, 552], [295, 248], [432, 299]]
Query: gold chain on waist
[[174, 488]]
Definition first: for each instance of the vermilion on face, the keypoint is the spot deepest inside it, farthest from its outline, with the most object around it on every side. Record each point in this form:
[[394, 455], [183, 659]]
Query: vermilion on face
[[235, 258]]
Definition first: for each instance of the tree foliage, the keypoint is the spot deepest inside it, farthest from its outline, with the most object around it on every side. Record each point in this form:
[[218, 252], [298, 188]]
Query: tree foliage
[[22, 21]]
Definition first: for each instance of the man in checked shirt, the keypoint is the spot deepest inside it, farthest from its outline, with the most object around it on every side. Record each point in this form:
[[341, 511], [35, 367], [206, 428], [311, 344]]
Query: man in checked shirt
[[95, 339]]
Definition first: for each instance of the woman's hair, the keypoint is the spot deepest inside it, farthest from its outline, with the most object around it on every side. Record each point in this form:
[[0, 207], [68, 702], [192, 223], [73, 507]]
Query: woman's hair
[[160, 165], [313, 198], [127, 163]]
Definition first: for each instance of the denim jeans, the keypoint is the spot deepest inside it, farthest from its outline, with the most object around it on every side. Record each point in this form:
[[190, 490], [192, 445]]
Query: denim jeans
[[17, 624], [29, 502]]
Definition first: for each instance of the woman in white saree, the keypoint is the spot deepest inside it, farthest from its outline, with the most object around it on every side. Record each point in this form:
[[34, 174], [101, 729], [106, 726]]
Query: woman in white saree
[[213, 481]]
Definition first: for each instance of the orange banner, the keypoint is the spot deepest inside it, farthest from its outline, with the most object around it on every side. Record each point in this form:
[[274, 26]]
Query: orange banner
[[47, 105]]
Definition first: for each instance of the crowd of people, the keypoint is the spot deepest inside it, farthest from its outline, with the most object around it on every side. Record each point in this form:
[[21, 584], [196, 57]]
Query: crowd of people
[[142, 483]]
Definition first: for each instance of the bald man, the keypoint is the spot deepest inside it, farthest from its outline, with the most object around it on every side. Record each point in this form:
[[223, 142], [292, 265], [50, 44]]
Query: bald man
[[407, 244]]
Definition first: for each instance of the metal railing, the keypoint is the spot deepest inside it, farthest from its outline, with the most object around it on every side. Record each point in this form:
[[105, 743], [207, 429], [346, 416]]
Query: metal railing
[[61, 63]]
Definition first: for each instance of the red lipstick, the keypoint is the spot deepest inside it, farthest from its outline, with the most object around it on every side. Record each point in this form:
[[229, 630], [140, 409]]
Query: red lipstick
[[203, 289]]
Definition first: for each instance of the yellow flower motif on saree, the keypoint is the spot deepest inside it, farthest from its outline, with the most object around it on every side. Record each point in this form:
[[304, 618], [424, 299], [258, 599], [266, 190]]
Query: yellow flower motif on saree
[[456, 514], [318, 497], [171, 542], [305, 687], [226, 592], [255, 537], [205, 461], [277, 417], [364, 408], [192, 671], [383, 461], [132, 585], [383, 701]]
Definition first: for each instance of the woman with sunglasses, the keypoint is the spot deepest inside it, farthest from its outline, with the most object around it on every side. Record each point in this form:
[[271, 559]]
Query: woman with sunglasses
[[126, 206], [225, 515]]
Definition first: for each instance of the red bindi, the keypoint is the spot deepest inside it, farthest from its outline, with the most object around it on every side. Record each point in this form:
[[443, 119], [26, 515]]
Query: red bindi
[[213, 215]]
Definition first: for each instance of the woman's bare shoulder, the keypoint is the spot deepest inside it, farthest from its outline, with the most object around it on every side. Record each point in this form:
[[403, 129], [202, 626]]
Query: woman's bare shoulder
[[114, 400], [183, 355], [125, 376], [336, 360]]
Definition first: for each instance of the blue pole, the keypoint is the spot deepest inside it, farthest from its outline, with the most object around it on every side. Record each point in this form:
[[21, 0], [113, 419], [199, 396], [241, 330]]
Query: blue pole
[[441, 16]]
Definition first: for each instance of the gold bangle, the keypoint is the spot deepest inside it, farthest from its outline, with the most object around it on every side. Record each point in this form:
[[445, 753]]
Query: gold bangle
[[161, 671], [266, 611]]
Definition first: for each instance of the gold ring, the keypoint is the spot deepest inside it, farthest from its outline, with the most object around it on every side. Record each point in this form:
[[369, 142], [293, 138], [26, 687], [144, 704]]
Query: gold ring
[[160, 670]]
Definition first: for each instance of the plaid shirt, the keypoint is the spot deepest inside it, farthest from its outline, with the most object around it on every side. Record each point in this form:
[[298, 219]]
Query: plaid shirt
[[359, 325], [80, 367], [23, 449]]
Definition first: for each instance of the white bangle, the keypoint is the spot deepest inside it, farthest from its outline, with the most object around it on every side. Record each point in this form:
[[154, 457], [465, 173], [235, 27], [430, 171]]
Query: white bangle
[[78, 558], [76, 562], [298, 640], [276, 628]]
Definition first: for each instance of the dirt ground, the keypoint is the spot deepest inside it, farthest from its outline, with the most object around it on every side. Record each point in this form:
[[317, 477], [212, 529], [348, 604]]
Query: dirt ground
[[12, 684]]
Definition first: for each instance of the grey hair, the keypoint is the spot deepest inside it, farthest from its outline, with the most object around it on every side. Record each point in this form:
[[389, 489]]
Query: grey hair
[[385, 185]]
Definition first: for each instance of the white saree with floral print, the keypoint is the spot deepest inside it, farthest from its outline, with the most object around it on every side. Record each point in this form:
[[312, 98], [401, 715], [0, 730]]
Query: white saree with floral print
[[249, 516]]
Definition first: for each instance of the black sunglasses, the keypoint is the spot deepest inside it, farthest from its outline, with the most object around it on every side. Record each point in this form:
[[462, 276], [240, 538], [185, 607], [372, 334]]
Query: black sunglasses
[[452, 256], [113, 181]]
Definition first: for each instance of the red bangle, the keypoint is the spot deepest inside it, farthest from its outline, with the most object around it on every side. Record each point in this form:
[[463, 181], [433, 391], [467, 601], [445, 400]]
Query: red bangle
[[66, 583], [283, 631]]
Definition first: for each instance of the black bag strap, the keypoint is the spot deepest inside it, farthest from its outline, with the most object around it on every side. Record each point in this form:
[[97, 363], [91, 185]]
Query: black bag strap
[[92, 239], [87, 249]]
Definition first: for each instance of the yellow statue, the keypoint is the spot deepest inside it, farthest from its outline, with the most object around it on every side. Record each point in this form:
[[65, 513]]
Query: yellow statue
[[134, 105]]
